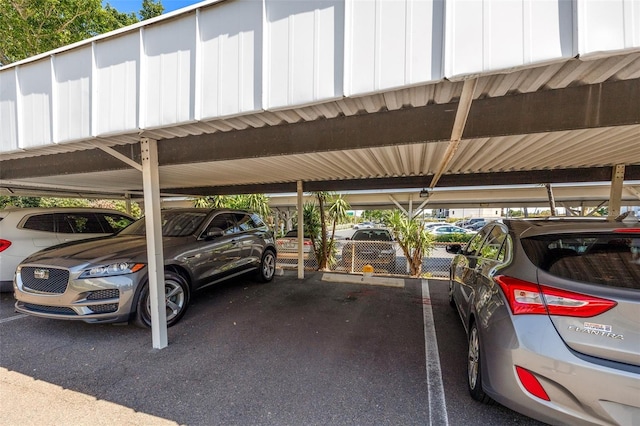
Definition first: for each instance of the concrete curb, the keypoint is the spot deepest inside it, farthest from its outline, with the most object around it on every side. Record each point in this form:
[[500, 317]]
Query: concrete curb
[[360, 279]]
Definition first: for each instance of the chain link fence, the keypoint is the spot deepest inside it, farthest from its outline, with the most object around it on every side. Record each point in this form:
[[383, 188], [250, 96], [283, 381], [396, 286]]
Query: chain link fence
[[386, 257]]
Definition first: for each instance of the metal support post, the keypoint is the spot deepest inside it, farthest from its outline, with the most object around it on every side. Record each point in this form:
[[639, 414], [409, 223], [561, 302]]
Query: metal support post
[[615, 196], [155, 257], [300, 232]]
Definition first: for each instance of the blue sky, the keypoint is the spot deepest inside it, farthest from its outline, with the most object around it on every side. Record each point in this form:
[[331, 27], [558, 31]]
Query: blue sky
[[134, 6]]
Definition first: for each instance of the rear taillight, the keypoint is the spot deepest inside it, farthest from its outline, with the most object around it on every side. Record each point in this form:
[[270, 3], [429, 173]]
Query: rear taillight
[[308, 243], [627, 231], [529, 298], [531, 384], [4, 244]]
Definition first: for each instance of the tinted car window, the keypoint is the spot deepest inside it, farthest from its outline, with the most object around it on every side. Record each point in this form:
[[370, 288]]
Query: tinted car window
[[245, 223], [42, 222], [491, 249], [606, 259], [224, 222], [259, 223], [476, 242], [372, 234], [114, 222], [79, 223]]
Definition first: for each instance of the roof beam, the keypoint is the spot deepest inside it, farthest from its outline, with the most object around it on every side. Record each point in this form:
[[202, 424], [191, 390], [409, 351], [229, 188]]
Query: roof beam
[[592, 174], [462, 113], [601, 105]]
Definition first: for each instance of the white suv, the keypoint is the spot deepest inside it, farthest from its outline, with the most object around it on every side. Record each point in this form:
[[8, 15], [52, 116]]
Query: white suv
[[24, 231]]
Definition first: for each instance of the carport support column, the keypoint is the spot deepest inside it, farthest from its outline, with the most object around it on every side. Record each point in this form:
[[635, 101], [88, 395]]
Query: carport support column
[[155, 257], [615, 196], [300, 231]]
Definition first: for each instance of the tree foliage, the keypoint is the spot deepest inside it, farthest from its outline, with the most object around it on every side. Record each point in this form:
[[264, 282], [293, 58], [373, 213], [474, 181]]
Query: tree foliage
[[48, 202], [414, 240], [151, 9], [19, 202], [374, 215], [327, 212], [31, 27], [257, 203]]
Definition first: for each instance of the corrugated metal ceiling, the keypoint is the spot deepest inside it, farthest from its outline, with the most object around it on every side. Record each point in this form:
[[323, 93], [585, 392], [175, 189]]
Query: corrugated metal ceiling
[[570, 149]]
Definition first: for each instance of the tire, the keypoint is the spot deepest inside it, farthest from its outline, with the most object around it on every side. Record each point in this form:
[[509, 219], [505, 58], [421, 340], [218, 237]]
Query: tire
[[474, 367], [176, 299], [267, 267]]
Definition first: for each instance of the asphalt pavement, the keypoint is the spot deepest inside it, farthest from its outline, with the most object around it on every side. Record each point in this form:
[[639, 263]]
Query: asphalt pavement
[[291, 352]]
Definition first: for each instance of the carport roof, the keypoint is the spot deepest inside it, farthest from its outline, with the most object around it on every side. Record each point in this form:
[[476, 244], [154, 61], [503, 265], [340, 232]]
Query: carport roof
[[570, 120]]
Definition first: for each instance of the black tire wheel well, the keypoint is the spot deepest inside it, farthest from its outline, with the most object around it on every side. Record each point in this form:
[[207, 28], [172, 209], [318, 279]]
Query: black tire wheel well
[[177, 305], [474, 365]]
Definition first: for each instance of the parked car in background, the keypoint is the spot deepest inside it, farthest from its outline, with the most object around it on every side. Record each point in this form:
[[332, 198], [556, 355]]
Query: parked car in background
[[288, 246], [431, 225], [449, 229], [364, 225], [23, 231], [551, 309], [475, 226], [374, 247], [105, 279]]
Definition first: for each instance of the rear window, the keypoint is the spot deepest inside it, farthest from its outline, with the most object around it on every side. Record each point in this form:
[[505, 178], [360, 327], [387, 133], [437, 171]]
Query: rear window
[[606, 259], [372, 235], [43, 222]]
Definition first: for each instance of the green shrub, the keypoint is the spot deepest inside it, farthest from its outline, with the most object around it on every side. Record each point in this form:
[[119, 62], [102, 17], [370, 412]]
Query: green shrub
[[454, 238]]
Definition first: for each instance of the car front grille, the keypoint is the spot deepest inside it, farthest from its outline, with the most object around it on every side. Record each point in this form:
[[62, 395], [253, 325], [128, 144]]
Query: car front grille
[[45, 280], [103, 294], [61, 310], [104, 309]]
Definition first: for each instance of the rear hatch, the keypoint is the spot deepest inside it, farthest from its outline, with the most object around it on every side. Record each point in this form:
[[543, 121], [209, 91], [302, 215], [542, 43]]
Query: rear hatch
[[591, 285]]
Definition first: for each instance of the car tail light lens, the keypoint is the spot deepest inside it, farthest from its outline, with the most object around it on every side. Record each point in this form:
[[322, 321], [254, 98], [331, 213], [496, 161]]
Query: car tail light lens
[[531, 384], [627, 231], [308, 243], [529, 298], [4, 244]]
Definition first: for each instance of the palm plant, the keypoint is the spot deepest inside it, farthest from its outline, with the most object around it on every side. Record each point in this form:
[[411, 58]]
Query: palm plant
[[414, 240], [316, 219], [212, 202]]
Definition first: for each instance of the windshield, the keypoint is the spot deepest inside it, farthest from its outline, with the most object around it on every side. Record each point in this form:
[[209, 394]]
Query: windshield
[[174, 224]]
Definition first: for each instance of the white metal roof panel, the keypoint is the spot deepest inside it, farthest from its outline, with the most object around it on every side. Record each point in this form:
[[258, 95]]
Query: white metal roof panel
[[243, 63], [605, 26]]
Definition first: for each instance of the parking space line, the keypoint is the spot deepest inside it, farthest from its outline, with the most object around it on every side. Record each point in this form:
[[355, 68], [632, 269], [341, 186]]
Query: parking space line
[[15, 317], [435, 388]]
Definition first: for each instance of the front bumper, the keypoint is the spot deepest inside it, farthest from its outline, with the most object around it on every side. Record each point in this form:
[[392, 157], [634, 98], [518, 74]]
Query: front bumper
[[106, 299]]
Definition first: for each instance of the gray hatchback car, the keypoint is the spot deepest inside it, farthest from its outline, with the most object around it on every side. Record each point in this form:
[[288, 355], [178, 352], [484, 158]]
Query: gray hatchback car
[[105, 279], [552, 313]]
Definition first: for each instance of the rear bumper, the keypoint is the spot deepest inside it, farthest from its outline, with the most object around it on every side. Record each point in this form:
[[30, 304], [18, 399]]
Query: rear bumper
[[292, 255], [580, 391]]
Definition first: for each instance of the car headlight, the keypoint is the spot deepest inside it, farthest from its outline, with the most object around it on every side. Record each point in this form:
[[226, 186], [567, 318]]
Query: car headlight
[[120, 268]]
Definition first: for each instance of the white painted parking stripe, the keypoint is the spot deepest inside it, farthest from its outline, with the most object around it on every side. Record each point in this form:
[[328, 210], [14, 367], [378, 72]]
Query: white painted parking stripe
[[15, 317], [435, 389]]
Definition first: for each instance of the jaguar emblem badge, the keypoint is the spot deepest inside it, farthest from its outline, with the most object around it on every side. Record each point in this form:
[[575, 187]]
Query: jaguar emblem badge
[[41, 274]]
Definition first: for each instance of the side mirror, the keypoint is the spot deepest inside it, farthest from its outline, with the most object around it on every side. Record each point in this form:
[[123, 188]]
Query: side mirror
[[454, 248], [213, 233]]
